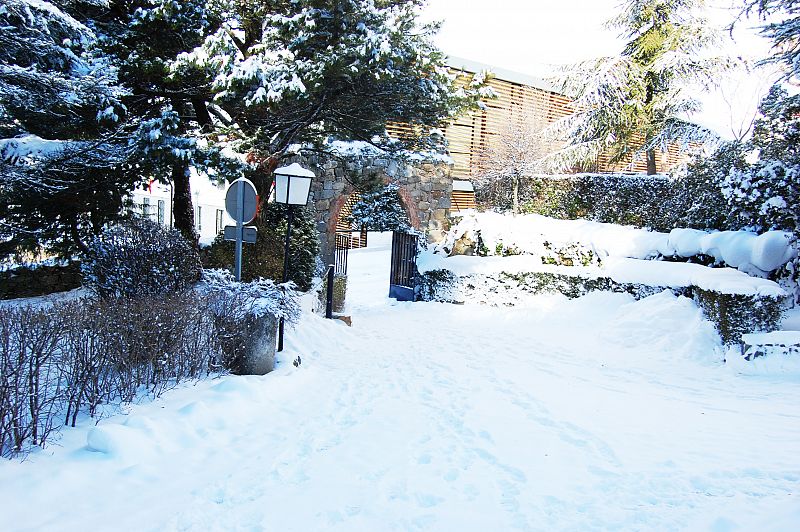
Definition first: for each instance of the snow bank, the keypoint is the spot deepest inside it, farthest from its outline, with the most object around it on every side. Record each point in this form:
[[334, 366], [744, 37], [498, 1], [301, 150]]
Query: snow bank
[[532, 234], [619, 269]]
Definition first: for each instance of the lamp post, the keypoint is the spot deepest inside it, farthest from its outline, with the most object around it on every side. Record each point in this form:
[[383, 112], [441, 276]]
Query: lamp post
[[292, 187]]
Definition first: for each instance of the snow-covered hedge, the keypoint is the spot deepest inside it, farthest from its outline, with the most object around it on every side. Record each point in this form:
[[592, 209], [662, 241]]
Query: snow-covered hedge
[[658, 202], [69, 359], [530, 254], [733, 314], [137, 257], [584, 242]]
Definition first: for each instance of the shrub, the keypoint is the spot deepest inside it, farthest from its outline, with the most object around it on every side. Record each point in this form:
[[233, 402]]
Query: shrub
[[245, 318], [138, 257], [658, 202], [264, 259], [380, 210], [70, 358], [30, 382]]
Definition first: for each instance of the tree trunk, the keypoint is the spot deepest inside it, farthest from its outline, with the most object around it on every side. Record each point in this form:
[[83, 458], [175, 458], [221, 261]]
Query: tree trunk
[[182, 209], [651, 162], [515, 195]]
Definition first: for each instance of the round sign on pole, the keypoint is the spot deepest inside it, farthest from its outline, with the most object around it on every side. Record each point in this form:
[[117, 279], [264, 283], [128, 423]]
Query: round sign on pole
[[249, 200]]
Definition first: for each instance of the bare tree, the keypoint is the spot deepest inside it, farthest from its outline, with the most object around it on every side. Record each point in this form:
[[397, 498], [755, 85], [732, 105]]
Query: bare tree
[[516, 151]]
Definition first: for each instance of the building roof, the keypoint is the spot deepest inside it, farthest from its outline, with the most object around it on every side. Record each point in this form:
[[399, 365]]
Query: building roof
[[468, 65]]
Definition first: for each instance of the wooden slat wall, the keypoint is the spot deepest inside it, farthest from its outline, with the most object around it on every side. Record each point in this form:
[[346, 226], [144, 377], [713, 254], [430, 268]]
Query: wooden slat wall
[[358, 239], [470, 135], [462, 200]]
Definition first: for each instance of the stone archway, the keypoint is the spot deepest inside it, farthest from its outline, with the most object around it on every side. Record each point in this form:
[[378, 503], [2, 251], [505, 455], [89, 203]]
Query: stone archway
[[425, 189]]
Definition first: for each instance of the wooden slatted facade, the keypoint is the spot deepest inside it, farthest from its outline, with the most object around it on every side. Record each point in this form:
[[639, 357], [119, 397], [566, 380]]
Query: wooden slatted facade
[[518, 95], [358, 238], [463, 197]]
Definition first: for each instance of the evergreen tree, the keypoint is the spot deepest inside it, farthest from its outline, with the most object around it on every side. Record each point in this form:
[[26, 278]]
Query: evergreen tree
[[783, 30], [380, 210], [765, 195], [61, 134], [293, 72], [145, 38], [264, 259], [635, 103]]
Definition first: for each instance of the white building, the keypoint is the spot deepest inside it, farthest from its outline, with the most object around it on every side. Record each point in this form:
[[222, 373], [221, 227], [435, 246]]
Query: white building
[[208, 199]]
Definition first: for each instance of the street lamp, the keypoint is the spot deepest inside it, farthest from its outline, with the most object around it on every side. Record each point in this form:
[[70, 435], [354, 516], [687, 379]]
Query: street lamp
[[292, 187]]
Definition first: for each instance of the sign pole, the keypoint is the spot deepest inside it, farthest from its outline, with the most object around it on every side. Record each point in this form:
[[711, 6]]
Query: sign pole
[[239, 226]]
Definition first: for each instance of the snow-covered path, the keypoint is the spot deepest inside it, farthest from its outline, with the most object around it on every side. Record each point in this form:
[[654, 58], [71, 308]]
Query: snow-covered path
[[596, 413]]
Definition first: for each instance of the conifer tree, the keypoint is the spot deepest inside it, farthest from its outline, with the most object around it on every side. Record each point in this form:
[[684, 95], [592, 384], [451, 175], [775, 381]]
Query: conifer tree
[[784, 31], [61, 128], [304, 71], [636, 103]]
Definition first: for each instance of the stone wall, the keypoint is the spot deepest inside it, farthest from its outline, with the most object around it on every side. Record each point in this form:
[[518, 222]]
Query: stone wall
[[425, 189]]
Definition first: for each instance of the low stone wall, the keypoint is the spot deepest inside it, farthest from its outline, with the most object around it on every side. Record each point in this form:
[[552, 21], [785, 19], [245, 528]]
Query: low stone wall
[[425, 188]]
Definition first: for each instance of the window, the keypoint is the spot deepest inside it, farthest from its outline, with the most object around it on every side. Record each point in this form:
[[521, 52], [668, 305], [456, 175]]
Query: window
[[219, 220], [199, 221], [161, 209], [146, 207]]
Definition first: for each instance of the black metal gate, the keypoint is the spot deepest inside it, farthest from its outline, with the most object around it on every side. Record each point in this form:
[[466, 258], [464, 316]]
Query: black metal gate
[[341, 249], [402, 280]]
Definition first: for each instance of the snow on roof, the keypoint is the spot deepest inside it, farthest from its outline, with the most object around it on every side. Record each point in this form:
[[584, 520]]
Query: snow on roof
[[476, 67]]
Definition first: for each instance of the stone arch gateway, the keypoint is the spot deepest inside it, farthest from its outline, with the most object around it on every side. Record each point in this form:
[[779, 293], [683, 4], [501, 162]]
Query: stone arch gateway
[[425, 189]]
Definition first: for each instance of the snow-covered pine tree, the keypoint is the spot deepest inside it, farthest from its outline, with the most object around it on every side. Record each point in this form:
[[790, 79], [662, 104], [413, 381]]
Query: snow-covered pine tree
[[60, 136], [146, 38], [292, 72], [784, 31], [380, 210], [637, 102], [766, 194]]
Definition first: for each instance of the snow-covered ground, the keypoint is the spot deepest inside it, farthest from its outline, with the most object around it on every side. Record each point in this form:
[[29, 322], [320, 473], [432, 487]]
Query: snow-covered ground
[[589, 414]]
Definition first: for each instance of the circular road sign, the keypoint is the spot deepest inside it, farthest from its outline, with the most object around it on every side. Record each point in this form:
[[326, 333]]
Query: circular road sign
[[249, 200]]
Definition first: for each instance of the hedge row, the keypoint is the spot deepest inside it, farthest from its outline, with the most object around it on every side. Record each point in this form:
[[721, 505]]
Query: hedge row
[[65, 359], [732, 314], [657, 202]]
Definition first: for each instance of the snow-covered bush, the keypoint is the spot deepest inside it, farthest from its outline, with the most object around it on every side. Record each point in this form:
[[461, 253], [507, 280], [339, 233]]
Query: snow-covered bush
[[258, 297], [765, 194], [137, 257], [657, 202], [68, 359], [30, 383], [381, 210], [585, 243], [264, 259], [245, 318]]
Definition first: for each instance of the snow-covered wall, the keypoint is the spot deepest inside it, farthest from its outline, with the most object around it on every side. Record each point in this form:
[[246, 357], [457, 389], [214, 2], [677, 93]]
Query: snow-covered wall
[[535, 235]]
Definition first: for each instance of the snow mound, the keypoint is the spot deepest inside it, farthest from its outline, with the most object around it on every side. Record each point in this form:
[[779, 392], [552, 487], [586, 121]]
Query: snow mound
[[533, 234], [622, 270]]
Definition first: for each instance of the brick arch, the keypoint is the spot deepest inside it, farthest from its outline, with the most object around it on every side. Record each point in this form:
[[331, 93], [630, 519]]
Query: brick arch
[[410, 206]]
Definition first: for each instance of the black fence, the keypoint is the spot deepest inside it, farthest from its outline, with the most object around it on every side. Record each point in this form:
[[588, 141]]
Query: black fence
[[402, 280], [341, 250]]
